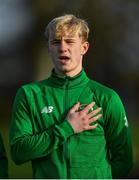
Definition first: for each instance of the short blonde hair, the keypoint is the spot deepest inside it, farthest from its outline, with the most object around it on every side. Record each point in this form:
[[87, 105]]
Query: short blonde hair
[[67, 23]]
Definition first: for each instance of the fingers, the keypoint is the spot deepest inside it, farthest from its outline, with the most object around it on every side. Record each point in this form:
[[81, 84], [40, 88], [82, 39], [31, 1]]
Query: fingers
[[92, 127], [93, 119], [88, 107], [75, 108], [81, 119], [94, 112]]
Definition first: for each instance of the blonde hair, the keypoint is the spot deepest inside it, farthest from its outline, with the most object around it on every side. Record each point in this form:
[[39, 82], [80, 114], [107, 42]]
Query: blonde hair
[[67, 23]]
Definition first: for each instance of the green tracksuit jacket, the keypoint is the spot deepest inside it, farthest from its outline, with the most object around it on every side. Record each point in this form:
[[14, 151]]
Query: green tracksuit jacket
[[3, 160], [40, 132]]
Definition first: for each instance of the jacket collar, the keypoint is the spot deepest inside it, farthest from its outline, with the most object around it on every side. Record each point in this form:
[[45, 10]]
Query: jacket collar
[[60, 81]]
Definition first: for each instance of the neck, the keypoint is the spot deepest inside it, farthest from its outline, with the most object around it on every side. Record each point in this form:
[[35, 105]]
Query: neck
[[68, 73]]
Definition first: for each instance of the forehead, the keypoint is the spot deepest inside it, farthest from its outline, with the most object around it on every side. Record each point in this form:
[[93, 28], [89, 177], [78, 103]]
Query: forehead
[[65, 35]]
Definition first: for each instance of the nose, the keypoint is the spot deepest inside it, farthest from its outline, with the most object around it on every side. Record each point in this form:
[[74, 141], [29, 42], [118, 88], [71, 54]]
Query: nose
[[63, 47]]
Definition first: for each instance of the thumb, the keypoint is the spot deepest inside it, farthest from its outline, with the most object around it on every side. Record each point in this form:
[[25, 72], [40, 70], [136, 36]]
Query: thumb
[[75, 107]]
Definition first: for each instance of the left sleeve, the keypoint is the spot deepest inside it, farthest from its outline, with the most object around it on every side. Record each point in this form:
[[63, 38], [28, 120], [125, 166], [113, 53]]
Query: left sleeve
[[3, 161], [118, 137]]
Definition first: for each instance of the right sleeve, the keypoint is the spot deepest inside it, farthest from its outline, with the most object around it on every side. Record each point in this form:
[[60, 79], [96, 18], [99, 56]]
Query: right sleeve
[[24, 144]]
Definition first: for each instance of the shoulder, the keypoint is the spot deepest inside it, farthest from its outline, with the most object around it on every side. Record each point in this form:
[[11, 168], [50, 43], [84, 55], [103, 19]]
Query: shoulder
[[101, 91], [107, 98], [97, 87], [34, 85], [32, 88]]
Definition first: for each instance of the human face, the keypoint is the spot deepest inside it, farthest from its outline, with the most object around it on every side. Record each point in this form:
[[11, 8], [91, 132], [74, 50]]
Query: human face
[[67, 53]]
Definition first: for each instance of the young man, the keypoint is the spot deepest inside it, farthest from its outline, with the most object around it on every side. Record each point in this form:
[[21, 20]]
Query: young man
[[3, 161], [68, 125]]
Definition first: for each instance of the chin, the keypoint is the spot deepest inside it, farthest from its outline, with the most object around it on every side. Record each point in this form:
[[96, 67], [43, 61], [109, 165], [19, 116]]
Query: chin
[[65, 69]]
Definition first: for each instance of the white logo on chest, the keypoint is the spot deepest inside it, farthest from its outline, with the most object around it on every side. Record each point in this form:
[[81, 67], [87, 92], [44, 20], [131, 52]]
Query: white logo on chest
[[47, 110]]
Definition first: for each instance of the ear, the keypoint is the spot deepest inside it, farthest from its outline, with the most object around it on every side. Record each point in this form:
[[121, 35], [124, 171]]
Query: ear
[[85, 46]]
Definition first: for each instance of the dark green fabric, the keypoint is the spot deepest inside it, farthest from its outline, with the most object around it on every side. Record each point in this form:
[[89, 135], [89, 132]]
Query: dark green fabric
[[40, 132], [3, 160]]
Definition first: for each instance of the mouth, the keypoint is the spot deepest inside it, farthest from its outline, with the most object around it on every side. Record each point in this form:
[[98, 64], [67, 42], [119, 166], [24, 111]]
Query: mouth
[[64, 59]]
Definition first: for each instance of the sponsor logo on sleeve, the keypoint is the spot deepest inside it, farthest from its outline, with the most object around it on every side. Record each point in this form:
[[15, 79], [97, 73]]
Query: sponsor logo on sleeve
[[126, 122]]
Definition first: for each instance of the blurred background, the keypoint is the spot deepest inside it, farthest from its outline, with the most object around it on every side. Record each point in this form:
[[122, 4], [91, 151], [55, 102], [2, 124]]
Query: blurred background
[[112, 58]]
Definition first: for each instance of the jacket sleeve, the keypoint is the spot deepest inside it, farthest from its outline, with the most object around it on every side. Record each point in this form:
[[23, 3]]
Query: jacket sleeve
[[3, 161], [24, 144], [118, 137]]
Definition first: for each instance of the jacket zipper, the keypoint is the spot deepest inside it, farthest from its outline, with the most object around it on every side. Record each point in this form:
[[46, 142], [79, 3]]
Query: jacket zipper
[[66, 94], [66, 147]]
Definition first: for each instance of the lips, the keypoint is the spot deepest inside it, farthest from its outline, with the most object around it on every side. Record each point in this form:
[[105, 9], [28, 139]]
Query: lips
[[64, 57]]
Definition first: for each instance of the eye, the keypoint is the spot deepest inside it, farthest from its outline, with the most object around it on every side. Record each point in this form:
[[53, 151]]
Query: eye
[[55, 42], [68, 41]]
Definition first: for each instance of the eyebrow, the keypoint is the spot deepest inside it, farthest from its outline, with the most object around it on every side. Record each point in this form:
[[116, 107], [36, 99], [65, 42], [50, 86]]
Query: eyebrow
[[71, 39], [68, 38]]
